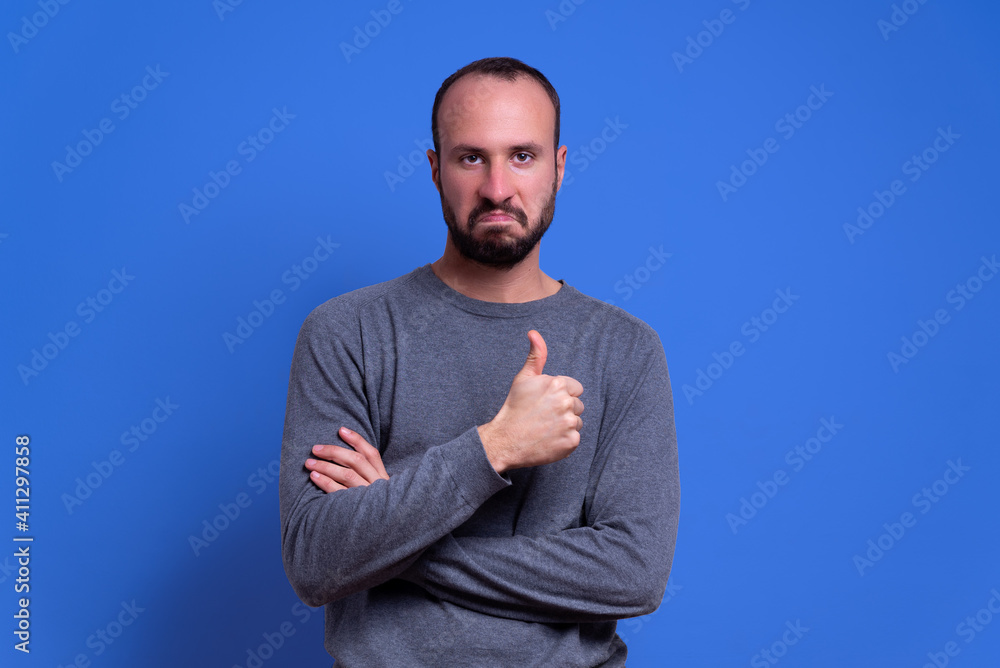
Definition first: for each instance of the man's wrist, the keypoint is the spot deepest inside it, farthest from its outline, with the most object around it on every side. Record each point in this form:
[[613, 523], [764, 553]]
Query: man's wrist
[[488, 437]]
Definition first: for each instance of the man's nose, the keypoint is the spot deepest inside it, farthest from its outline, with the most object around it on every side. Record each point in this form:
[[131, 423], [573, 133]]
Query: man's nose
[[497, 185]]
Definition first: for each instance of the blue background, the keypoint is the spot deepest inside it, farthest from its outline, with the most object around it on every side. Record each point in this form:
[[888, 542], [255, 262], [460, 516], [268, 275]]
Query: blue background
[[339, 171]]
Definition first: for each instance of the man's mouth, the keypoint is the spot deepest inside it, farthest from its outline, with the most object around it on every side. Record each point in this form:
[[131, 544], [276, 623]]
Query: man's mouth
[[497, 217]]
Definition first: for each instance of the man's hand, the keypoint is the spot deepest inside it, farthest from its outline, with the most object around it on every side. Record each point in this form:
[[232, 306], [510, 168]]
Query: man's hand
[[539, 423], [345, 468]]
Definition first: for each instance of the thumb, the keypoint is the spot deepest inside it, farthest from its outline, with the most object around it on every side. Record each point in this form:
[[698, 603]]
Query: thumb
[[536, 355]]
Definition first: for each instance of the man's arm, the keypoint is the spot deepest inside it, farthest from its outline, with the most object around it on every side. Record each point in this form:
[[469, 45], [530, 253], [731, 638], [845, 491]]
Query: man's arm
[[334, 545], [615, 567]]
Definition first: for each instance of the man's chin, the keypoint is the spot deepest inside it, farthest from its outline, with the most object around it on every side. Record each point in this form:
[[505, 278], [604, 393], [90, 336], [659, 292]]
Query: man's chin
[[498, 256]]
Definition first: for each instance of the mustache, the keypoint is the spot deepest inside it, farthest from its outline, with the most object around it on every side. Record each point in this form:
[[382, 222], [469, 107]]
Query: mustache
[[504, 208]]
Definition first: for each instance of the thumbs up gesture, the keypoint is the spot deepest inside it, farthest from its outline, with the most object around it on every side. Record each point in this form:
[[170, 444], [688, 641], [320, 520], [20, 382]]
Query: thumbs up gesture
[[539, 422]]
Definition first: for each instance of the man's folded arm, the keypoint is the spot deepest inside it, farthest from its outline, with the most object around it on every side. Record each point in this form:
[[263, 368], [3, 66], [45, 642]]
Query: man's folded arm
[[334, 545], [615, 567]]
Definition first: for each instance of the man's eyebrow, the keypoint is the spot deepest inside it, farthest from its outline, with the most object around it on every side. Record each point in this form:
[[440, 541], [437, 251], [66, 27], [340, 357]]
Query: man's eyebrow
[[531, 147]]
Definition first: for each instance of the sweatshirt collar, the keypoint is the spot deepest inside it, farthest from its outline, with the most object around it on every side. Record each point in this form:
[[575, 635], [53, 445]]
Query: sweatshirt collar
[[427, 278]]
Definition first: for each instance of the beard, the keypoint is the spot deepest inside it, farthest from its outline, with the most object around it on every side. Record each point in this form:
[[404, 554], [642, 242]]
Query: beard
[[494, 248]]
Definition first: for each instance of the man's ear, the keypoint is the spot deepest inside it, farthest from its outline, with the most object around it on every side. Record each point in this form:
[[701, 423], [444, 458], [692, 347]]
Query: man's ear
[[435, 169], [560, 165]]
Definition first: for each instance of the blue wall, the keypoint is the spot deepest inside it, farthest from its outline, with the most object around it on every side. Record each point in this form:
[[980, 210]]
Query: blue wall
[[821, 175]]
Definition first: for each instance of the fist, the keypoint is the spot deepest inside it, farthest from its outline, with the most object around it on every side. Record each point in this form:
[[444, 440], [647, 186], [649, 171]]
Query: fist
[[539, 422]]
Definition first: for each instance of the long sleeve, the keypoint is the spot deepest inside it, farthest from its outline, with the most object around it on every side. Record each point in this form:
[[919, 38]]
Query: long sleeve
[[616, 566], [334, 545]]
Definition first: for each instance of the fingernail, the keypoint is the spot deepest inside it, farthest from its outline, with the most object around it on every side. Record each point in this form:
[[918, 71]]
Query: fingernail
[[314, 474], [310, 462], [346, 430]]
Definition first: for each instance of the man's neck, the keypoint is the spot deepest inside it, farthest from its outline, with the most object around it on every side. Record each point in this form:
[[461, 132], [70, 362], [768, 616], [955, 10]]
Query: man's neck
[[524, 282]]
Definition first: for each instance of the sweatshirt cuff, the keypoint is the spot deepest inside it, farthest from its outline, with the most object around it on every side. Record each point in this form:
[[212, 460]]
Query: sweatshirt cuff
[[471, 471]]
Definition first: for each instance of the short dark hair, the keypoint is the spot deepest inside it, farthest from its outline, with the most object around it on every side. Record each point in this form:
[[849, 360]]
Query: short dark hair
[[505, 69]]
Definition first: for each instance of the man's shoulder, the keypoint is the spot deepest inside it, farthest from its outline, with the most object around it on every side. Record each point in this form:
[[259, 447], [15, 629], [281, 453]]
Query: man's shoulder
[[346, 308], [615, 323]]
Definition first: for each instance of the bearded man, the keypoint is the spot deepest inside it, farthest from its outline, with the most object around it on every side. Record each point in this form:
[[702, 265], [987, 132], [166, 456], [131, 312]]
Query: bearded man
[[468, 515]]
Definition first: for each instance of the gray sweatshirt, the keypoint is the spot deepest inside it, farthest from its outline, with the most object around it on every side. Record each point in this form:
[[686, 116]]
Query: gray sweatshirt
[[449, 563]]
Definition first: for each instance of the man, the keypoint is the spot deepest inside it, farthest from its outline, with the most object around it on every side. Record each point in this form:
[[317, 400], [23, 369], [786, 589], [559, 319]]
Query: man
[[469, 516]]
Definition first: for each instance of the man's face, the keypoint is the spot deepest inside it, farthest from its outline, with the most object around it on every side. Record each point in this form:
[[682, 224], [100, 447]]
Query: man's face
[[498, 172]]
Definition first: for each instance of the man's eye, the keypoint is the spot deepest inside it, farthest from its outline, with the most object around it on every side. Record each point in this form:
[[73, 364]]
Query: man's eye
[[525, 155], [466, 158]]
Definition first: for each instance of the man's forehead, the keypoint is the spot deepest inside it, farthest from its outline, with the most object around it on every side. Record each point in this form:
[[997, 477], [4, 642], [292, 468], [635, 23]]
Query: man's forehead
[[479, 85], [475, 100]]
